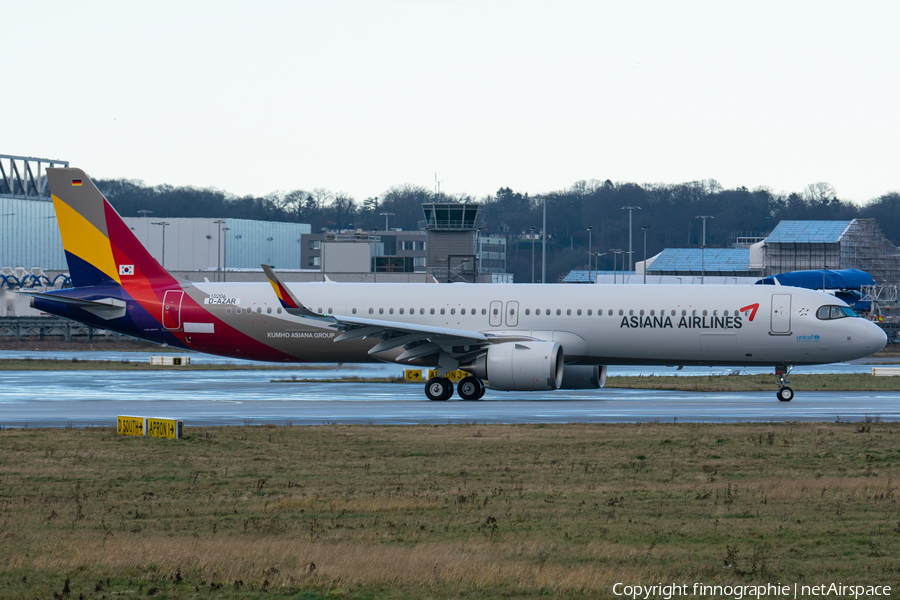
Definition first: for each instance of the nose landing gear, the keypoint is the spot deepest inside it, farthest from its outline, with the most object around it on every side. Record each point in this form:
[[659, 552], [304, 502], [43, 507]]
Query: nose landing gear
[[784, 394]]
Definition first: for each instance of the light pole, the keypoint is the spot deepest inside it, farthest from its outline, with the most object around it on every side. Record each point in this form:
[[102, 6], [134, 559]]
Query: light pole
[[616, 252], [644, 229], [630, 210], [219, 251], [477, 252], [532, 252], [225, 230], [163, 223], [544, 246], [590, 231], [703, 248], [144, 213], [386, 215], [597, 256]]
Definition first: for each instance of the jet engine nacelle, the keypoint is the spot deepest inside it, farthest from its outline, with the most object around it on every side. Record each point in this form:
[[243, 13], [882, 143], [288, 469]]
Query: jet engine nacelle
[[521, 366], [583, 377]]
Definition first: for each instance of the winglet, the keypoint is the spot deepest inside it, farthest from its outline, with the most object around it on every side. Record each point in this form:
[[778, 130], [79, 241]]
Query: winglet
[[288, 301]]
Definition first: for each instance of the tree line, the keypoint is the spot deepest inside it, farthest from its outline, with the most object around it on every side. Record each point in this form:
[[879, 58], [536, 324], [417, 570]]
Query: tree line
[[669, 210]]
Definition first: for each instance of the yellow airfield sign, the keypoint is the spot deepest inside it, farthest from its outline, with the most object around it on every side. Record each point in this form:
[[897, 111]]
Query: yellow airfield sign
[[131, 425], [171, 429], [451, 375], [416, 375]]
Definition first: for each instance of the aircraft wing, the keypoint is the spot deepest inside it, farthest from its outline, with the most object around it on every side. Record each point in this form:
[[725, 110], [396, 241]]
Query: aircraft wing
[[418, 340]]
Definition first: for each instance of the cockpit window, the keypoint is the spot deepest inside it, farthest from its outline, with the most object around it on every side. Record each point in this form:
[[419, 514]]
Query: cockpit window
[[835, 312]]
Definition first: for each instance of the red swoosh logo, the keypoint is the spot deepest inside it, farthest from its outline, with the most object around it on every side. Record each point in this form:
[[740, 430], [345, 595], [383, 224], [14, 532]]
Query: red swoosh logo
[[752, 308]]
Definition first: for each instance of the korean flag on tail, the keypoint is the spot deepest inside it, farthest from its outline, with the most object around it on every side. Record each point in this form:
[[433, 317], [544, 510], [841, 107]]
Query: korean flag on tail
[[126, 269]]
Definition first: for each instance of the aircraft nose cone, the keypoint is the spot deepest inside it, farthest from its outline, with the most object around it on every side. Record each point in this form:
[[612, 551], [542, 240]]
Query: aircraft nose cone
[[876, 337]]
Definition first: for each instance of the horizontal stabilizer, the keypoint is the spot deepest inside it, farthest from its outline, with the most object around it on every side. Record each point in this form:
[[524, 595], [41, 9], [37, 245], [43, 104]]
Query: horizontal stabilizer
[[105, 308]]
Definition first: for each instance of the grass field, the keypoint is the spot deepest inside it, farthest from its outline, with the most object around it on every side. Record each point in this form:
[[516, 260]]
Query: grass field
[[497, 511]]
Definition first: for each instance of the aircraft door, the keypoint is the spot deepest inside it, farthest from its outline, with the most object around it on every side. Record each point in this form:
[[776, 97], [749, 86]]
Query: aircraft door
[[171, 310], [512, 314], [781, 314], [496, 313]]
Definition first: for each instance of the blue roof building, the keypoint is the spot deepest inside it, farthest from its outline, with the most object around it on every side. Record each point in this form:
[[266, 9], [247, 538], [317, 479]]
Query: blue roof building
[[792, 246]]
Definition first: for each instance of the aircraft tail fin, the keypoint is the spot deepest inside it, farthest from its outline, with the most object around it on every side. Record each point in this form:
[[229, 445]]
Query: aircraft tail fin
[[288, 301], [100, 249]]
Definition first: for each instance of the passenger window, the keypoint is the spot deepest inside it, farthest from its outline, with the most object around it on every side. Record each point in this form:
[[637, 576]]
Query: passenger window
[[512, 312], [330, 311], [279, 310], [527, 311], [715, 313], [704, 313], [443, 311], [452, 311], [484, 311], [610, 312], [412, 311], [421, 311], [726, 313], [578, 312], [473, 311], [432, 311], [228, 311], [401, 311], [642, 312], [462, 312], [380, 311], [238, 310], [391, 311], [259, 310], [354, 311], [590, 313], [318, 311], [371, 311], [652, 313], [569, 312], [630, 312], [683, 313], [673, 313], [558, 312], [269, 310], [621, 312], [693, 313]]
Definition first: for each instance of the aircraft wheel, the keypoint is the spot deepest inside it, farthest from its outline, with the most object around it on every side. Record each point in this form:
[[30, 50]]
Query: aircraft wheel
[[470, 388], [438, 388], [483, 390], [785, 394]]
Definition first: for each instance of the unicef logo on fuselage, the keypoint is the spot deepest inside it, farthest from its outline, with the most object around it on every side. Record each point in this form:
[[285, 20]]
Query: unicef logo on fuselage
[[808, 338]]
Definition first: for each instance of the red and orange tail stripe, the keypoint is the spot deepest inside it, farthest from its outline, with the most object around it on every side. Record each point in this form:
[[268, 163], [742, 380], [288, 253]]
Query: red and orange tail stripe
[[283, 295]]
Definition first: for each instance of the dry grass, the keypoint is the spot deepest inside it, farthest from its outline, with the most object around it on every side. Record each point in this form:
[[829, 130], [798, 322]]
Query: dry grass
[[425, 511]]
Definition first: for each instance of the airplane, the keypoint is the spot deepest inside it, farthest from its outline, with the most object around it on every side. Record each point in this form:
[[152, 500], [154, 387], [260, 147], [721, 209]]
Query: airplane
[[506, 337]]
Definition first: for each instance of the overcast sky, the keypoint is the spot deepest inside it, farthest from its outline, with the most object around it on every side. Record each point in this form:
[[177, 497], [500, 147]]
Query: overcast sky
[[358, 96]]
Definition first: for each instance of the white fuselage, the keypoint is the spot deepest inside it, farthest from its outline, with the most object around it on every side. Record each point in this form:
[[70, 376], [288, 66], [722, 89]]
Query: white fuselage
[[595, 324]]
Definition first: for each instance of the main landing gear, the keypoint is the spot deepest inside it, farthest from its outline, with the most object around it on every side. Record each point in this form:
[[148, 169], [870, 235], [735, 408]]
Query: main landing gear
[[470, 388], [441, 388], [785, 394]]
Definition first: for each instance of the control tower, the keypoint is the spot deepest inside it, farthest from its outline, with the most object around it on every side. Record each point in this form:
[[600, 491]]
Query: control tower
[[452, 229]]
